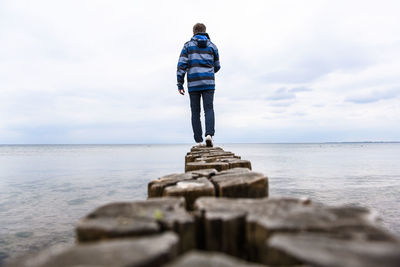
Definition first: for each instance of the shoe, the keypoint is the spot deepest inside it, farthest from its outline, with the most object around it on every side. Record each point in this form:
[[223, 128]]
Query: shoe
[[199, 144], [209, 141]]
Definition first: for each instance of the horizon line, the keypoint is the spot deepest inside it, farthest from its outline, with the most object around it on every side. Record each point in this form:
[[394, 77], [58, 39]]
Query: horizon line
[[228, 143]]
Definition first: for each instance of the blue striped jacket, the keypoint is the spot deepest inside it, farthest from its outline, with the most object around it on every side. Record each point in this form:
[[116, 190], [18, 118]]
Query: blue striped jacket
[[200, 59]]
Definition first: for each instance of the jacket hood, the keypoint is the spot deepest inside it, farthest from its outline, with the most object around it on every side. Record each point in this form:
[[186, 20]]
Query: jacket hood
[[201, 39]]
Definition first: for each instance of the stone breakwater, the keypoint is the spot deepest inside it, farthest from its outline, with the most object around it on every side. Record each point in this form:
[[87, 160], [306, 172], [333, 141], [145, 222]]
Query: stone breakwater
[[218, 213]]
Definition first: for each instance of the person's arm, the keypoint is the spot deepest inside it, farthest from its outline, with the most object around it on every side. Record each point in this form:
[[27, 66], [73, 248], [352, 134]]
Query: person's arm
[[182, 68], [217, 65]]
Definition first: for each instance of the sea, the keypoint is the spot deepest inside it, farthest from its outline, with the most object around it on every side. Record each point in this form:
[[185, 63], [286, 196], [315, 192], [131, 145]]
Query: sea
[[46, 189]]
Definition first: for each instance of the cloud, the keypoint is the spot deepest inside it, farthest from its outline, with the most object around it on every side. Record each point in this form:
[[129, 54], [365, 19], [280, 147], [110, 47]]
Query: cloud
[[286, 94], [374, 96], [300, 89], [283, 103], [281, 94], [91, 71]]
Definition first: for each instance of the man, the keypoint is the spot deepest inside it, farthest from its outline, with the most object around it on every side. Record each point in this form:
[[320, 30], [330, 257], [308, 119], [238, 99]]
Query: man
[[200, 60]]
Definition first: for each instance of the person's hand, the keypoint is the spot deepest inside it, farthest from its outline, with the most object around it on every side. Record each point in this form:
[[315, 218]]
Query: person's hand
[[181, 91]]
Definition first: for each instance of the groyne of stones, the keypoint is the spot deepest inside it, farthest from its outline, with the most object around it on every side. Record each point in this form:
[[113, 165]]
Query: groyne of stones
[[218, 213]]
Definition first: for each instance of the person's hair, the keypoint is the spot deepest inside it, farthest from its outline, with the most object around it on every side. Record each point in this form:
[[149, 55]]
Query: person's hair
[[199, 27]]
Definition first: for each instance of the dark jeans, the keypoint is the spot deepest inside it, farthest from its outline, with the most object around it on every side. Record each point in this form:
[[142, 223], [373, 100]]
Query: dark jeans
[[208, 99]]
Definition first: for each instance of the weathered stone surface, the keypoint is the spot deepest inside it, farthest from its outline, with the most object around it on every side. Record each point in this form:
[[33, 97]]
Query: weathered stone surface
[[150, 251], [208, 158], [156, 187], [224, 224], [219, 166], [129, 219], [191, 190], [234, 170], [204, 148], [236, 163], [290, 215], [204, 159], [206, 151], [208, 259], [201, 155], [207, 173], [329, 250], [241, 185], [191, 157], [219, 153], [267, 216], [224, 232]]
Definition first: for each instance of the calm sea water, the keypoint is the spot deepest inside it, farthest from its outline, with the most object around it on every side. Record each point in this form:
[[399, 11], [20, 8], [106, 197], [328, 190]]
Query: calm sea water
[[45, 189]]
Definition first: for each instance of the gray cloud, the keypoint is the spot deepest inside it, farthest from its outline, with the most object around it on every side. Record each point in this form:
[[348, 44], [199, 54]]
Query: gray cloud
[[108, 74], [284, 93], [285, 103], [310, 59], [374, 96], [281, 94], [300, 89]]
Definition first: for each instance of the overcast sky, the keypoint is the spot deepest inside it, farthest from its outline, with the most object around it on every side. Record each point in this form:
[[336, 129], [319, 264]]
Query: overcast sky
[[79, 71]]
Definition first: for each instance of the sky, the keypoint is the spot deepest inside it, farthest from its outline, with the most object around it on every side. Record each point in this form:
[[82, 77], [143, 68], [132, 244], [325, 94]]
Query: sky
[[104, 72]]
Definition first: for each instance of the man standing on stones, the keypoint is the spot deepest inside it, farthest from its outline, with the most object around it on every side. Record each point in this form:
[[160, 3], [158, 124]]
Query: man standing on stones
[[200, 60]]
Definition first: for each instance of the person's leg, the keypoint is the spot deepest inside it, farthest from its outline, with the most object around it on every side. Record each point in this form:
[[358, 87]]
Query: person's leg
[[208, 105], [196, 123]]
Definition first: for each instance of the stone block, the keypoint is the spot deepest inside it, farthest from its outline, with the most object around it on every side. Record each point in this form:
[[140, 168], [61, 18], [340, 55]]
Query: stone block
[[207, 173], [209, 259], [191, 190], [190, 157], [322, 250], [156, 187], [212, 156], [236, 163], [241, 185], [150, 251], [220, 154], [234, 170], [204, 159], [224, 232], [205, 149], [209, 158], [139, 218], [268, 216], [219, 166]]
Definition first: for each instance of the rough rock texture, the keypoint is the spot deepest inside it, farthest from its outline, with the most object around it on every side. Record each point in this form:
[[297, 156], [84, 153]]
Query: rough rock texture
[[224, 232], [235, 170], [241, 184], [330, 250], [236, 163], [139, 218], [208, 259], [191, 190], [199, 165], [156, 187], [208, 158], [204, 158], [235, 182], [208, 153], [202, 148], [150, 251], [258, 219], [192, 156], [207, 173]]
